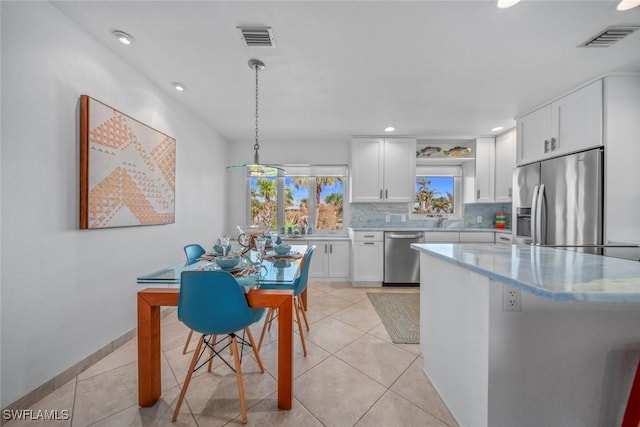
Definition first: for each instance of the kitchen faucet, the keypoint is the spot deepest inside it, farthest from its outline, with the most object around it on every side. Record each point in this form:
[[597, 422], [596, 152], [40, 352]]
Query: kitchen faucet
[[441, 219]]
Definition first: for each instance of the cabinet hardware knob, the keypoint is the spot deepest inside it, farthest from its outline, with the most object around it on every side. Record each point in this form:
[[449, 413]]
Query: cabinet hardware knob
[[546, 145], [368, 243], [553, 144], [386, 194], [331, 248], [510, 192], [478, 194], [381, 194]]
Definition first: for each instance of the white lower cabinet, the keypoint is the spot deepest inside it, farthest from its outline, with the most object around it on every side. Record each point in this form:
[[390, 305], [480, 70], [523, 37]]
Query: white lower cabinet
[[441, 237], [330, 259], [477, 237], [368, 257]]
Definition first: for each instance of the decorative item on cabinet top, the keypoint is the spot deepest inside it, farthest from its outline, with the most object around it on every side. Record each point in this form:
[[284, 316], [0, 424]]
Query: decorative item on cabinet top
[[445, 149]]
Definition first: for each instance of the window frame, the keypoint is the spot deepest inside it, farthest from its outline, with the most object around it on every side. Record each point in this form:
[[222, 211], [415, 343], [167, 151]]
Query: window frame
[[311, 172], [454, 171]]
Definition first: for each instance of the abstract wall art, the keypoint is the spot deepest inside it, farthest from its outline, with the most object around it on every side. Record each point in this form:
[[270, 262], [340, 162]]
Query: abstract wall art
[[127, 170]]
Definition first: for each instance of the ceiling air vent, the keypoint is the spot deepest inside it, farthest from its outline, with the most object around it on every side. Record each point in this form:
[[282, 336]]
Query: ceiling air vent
[[609, 36], [257, 36]]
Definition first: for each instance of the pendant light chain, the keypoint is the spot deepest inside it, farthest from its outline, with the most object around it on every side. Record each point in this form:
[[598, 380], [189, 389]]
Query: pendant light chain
[[256, 146]]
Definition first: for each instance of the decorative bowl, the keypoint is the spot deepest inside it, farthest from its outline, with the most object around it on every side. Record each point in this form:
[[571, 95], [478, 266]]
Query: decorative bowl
[[253, 230], [282, 249], [227, 262]]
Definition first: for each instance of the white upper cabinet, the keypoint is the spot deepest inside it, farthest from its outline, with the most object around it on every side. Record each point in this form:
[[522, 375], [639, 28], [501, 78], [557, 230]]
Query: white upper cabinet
[[485, 169], [382, 170], [495, 161], [571, 123], [505, 163]]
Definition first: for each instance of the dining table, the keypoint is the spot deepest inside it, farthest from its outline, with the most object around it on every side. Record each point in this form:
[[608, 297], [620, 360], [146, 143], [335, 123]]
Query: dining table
[[269, 284]]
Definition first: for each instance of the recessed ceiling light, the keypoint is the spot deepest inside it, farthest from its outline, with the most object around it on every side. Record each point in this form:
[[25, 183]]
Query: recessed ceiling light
[[627, 4], [123, 37], [496, 129], [389, 129], [503, 4], [179, 86]]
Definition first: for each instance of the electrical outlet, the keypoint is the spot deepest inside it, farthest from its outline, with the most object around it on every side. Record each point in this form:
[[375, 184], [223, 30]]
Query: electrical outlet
[[403, 218], [479, 219], [387, 218], [510, 298]]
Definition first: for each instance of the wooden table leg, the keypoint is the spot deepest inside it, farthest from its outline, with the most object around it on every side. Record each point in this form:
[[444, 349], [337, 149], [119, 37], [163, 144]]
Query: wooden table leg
[[148, 352], [285, 355]]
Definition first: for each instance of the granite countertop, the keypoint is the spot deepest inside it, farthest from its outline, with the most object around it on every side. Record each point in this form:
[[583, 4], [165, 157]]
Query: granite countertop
[[413, 228], [550, 273]]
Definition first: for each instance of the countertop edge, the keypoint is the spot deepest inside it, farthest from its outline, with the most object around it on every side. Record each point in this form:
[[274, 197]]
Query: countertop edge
[[594, 297]]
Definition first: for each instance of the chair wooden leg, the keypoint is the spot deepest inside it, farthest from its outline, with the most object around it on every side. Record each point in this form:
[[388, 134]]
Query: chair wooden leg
[[186, 344], [304, 346], [211, 353], [255, 349], [267, 321], [273, 316], [236, 358], [302, 310], [187, 380]]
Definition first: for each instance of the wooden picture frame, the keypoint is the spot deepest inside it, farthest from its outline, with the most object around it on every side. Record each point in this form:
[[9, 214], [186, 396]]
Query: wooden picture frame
[[127, 170]]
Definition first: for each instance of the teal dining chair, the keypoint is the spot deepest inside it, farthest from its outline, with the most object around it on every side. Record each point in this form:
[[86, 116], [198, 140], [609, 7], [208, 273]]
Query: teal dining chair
[[212, 303], [299, 285], [193, 252]]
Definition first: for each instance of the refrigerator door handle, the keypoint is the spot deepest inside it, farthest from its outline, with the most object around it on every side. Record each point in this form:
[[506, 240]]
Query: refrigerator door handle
[[534, 209], [540, 222]]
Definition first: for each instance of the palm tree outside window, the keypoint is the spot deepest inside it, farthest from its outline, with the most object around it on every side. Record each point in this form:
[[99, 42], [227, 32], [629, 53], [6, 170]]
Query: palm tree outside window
[[305, 200]]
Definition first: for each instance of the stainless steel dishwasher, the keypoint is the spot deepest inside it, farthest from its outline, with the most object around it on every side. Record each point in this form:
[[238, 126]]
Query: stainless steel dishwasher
[[401, 263]]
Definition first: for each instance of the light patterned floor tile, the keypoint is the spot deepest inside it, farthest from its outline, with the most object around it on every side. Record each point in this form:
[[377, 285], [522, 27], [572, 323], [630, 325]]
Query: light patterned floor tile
[[60, 400], [360, 315], [379, 360], [332, 334], [336, 393], [301, 364], [327, 305], [414, 386], [125, 354], [266, 413], [393, 410]]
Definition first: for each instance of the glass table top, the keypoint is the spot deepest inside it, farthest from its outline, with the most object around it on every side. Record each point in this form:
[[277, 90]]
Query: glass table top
[[279, 272]]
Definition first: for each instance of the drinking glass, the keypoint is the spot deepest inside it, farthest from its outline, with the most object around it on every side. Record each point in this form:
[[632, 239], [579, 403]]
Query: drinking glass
[[274, 237], [261, 242], [224, 242]]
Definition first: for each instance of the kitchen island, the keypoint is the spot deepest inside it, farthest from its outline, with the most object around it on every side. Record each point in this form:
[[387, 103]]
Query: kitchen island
[[565, 357]]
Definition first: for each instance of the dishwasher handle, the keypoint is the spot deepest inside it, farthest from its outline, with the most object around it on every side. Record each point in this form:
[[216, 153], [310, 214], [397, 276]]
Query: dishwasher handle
[[404, 235]]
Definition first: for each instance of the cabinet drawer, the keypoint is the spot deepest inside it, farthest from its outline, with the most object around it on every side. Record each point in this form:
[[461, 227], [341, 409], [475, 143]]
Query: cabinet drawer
[[477, 237], [503, 238], [368, 236], [441, 236]]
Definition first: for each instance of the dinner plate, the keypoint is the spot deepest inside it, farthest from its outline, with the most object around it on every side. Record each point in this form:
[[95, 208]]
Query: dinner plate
[[273, 254]]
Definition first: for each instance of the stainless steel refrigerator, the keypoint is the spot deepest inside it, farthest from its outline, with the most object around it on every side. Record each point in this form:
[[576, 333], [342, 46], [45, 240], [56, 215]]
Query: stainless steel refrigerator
[[559, 202]]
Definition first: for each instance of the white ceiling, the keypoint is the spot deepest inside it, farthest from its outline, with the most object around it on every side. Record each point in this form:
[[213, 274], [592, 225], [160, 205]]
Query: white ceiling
[[341, 68]]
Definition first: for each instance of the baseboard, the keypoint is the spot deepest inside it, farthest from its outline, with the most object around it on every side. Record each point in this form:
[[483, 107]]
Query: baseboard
[[29, 399]]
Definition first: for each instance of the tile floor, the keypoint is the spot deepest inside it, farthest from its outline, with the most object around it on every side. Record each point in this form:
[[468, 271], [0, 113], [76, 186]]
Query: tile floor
[[353, 376]]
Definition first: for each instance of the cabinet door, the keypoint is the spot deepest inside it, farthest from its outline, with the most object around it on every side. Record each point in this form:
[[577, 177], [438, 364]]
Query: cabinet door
[[368, 260], [485, 167], [399, 170], [366, 170], [577, 120], [442, 237], [320, 260], [505, 163], [533, 130], [339, 259]]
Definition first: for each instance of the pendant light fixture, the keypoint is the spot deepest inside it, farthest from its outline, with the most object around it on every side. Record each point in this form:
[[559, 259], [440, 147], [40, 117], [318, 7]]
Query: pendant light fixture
[[256, 168]]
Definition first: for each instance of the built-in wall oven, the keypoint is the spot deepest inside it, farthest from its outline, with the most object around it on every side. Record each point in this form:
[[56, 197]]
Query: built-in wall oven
[[401, 263]]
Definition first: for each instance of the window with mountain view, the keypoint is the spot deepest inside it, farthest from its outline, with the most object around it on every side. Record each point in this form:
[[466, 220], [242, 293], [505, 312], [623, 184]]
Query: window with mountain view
[[299, 201]]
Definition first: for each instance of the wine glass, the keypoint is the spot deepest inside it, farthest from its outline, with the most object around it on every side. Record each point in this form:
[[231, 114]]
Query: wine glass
[[261, 243], [274, 237], [224, 242]]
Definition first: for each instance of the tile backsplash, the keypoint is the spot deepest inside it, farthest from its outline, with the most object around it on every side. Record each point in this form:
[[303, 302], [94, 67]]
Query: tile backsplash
[[374, 215]]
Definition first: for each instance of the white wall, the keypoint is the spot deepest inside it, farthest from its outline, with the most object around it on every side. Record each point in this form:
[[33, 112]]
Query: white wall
[[317, 153], [68, 292]]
